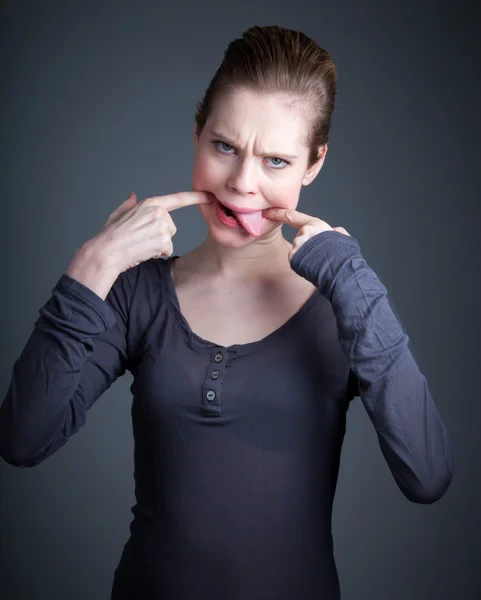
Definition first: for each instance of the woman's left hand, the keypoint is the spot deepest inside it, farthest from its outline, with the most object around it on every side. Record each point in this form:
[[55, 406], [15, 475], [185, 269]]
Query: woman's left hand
[[307, 226]]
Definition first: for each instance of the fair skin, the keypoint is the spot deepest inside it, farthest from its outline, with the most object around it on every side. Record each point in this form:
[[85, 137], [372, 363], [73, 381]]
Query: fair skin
[[238, 170], [233, 274]]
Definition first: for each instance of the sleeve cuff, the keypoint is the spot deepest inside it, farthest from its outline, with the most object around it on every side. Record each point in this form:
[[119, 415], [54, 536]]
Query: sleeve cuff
[[71, 286], [321, 256]]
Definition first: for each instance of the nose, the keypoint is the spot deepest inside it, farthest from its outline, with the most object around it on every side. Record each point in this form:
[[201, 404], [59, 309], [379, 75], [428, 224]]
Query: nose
[[243, 179]]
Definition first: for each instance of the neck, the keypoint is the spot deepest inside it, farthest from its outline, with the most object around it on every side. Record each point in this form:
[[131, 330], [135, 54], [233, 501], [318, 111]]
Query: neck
[[261, 258]]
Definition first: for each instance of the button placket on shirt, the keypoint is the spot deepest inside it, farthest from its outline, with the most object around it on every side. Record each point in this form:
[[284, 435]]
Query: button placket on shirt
[[211, 391]]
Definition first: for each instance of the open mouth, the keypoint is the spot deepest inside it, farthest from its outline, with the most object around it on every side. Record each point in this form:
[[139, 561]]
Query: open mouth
[[250, 222], [228, 214]]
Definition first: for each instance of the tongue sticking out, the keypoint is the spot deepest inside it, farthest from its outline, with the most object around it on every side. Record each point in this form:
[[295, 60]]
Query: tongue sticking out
[[252, 222]]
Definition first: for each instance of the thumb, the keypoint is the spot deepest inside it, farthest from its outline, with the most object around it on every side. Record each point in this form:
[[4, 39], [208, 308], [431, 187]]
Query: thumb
[[126, 204], [123, 208], [131, 200]]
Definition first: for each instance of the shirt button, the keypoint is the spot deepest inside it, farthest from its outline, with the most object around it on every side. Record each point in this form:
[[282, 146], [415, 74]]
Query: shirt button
[[218, 357], [210, 395], [215, 374]]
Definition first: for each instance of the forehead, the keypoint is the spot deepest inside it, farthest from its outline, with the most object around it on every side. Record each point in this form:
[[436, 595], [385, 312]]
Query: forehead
[[275, 118]]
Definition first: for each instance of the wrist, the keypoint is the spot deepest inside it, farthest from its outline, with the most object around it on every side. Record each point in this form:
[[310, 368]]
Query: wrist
[[92, 268]]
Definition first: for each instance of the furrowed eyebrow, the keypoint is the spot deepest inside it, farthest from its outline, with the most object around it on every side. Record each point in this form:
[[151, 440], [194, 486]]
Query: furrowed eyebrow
[[271, 154]]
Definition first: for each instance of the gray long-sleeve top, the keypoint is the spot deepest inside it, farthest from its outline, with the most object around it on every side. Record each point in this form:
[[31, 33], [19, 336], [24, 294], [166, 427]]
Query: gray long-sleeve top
[[237, 448]]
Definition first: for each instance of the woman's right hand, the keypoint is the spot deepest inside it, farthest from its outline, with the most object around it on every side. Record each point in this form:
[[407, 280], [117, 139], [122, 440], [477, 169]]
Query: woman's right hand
[[134, 233]]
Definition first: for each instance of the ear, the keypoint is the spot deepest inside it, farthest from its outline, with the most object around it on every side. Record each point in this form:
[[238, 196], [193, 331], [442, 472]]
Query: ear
[[312, 172]]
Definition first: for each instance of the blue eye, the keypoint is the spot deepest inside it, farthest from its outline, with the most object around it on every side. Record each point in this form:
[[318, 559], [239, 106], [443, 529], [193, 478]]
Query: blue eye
[[223, 143], [217, 143], [281, 159]]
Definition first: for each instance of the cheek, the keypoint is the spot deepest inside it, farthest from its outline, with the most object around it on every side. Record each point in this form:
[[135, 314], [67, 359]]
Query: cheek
[[286, 197], [203, 208], [205, 174]]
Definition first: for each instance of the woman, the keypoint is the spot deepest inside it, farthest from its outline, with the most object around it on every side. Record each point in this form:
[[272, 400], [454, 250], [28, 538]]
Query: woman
[[246, 352]]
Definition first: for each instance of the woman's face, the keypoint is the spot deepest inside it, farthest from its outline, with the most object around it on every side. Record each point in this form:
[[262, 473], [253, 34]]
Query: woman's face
[[241, 157]]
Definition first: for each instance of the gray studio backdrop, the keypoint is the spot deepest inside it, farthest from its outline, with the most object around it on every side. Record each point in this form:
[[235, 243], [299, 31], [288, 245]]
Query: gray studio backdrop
[[98, 100]]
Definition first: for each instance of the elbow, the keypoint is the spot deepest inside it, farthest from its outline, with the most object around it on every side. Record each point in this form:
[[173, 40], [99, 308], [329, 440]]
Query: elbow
[[16, 458], [427, 495], [25, 452], [27, 447], [16, 462], [430, 490], [13, 451]]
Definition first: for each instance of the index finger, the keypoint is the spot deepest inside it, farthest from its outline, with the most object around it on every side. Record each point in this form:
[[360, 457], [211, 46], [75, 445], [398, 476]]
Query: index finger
[[290, 217], [180, 199]]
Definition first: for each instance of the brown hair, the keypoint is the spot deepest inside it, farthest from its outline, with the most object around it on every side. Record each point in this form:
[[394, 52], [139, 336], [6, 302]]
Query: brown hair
[[272, 59]]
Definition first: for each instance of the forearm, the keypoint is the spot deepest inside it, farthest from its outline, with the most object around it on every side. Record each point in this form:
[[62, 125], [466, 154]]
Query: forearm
[[412, 435]]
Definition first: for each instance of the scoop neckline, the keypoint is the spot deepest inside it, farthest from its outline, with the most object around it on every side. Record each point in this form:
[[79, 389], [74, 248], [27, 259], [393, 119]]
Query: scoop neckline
[[202, 343]]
